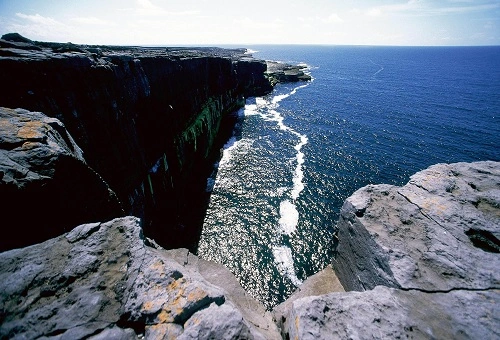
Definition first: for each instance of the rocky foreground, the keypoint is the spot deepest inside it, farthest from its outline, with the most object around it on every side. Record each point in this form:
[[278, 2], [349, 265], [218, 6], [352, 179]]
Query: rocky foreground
[[424, 258], [418, 261]]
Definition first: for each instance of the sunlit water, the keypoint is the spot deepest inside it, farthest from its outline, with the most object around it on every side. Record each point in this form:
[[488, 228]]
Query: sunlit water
[[371, 115]]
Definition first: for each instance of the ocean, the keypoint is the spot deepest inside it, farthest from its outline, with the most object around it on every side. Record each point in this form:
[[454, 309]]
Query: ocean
[[370, 115]]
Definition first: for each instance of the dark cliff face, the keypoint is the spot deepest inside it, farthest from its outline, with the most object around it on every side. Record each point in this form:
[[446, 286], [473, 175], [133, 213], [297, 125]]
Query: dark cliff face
[[149, 120]]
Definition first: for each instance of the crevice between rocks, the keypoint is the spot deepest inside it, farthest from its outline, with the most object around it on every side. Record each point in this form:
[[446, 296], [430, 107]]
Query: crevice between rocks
[[444, 291]]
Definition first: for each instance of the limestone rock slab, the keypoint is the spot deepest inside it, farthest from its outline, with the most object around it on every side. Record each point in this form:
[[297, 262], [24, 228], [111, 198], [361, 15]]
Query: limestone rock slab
[[388, 313], [439, 232], [106, 280]]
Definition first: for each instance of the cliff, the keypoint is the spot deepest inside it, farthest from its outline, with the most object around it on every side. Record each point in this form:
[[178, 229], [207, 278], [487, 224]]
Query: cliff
[[149, 121]]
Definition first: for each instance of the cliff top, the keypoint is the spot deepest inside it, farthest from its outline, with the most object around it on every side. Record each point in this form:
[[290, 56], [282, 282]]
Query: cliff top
[[12, 43]]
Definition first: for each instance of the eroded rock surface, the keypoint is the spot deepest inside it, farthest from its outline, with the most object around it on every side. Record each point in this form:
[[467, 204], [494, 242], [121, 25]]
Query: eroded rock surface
[[279, 72], [106, 280], [45, 183]]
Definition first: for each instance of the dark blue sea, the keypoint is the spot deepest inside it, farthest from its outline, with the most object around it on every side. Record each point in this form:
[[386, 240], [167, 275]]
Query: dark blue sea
[[371, 115]]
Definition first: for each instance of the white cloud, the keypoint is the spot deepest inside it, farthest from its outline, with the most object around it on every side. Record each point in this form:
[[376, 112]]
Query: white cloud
[[416, 7], [38, 19], [36, 26], [147, 8], [466, 9], [411, 5], [334, 17], [374, 12], [146, 4]]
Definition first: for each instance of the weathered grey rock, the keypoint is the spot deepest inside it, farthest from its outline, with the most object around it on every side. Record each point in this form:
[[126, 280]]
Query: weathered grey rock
[[46, 182], [433, 243], [321, 283], [106, 281], [252, 310], [438, 232], [217, 322], [387, 313]]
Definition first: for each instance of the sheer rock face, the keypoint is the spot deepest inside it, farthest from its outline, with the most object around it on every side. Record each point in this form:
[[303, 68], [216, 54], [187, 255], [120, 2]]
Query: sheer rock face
[[149, 120], [45, 182], [106, 280], [424, 256]]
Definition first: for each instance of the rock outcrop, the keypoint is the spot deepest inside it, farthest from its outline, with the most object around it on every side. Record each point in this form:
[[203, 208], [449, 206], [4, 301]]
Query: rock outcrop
[[46, 185], [106, 280], [150, 121], [437, 233], [279, 72], [424, 256]]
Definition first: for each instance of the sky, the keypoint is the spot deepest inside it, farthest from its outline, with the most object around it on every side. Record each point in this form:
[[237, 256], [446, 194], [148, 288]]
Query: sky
[[236, 22]]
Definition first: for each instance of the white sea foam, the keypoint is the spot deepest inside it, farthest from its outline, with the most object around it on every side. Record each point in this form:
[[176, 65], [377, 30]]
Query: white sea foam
[[284, 261], [234, 146], [277, 99], [298, 177], [289, 217], [275, 116], [250, 110], [260, 101]]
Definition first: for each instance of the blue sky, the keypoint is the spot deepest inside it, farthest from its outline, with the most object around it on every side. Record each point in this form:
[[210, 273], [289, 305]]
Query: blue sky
[[217, 22]]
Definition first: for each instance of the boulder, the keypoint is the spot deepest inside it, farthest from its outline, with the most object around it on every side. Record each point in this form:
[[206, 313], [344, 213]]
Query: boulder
[[437, 233], [46, 183], [106, 280]]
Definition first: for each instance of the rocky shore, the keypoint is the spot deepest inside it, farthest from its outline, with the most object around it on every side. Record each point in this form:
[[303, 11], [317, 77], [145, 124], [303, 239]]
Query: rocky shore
[[279, 72], [149, 121], [95, 144]]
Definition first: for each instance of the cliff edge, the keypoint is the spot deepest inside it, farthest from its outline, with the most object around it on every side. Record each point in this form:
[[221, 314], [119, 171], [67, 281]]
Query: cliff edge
[[149, 121]]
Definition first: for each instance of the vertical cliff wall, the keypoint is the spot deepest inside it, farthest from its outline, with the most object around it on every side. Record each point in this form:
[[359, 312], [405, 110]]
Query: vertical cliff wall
[[149, 120]]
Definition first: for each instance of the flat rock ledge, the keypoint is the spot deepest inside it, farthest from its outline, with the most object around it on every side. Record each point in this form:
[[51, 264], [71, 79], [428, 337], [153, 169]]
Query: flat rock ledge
[[107, 281], [419, 261]]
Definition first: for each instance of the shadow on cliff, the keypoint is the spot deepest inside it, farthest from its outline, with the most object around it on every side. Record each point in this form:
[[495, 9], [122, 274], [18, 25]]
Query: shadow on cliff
[[185, 216]]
